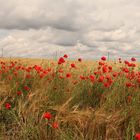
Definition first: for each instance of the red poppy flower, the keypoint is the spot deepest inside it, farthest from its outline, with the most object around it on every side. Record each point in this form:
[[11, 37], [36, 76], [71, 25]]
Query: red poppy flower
[[15, 73], [79, 59], [49, 69], [126, 70], [92, 78], [106, 84], [133, 65], [108, 77], [10, 77], [129, 98], [137, 136], [7, 106], [73, 65], [61, 77], [104, 69], [47, 115], [55, 125], [19, 92], [60, 70], [68, 75], [101, 63], [65, 56], [101, 79], [82, 77], [75, 82], [103, 58], [110, 68], [61, 60], [42, 75], [26, 88], [133, 59], [115, 74], [138, 80], [28, 76], [126, 62], [128, 84]]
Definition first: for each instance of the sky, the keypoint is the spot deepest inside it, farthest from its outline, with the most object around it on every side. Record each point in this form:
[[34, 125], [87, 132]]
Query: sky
[[79, 28]]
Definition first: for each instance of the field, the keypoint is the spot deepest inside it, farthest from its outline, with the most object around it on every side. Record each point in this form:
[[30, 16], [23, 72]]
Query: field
[[69, 99]]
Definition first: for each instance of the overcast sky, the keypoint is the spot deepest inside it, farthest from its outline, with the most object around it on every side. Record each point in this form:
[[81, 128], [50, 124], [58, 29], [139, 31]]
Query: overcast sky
[[80, 28]]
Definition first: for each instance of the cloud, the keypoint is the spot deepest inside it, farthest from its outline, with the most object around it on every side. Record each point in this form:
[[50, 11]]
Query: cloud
[[39, 28]]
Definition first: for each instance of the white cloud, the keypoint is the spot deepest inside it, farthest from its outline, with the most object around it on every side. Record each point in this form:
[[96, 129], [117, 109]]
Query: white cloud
[[41, 27]]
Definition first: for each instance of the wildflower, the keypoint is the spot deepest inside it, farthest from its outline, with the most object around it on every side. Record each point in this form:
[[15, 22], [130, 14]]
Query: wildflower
[[55, 125], [103, 58], [18, 67], [106, 84], [10, 77], [101, 79], [82, 77], [110, 81], [128, 84], [133, 59], [75, 82], [97, 73], [129, 98], [79, 59], [115, 74], [45, 72], [99, 67], [7, 106], [28, 76], [101, 63], [126, 70], [49, 69], [47, 115], [61, 77], [73, 65], [26, 88], [104, 69], [60, 70], [138, 80], [137, 136], [133, 65], [126, 62], [92, 78], [15, 73], [61, 60], [42, 75], [23, 68], [108, 77], [19, 92], [110, 68], [68, 75], [28, 70], [65, 56]]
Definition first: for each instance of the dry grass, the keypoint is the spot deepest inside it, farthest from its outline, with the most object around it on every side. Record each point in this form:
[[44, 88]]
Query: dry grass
[[85, 111]]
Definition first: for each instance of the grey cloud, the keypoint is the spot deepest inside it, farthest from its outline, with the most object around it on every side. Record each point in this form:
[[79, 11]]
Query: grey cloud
[[40, 26], [65, 43], [21, 15]]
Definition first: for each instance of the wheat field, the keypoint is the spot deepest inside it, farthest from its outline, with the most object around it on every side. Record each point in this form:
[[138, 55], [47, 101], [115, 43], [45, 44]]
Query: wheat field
[[42, 99]]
